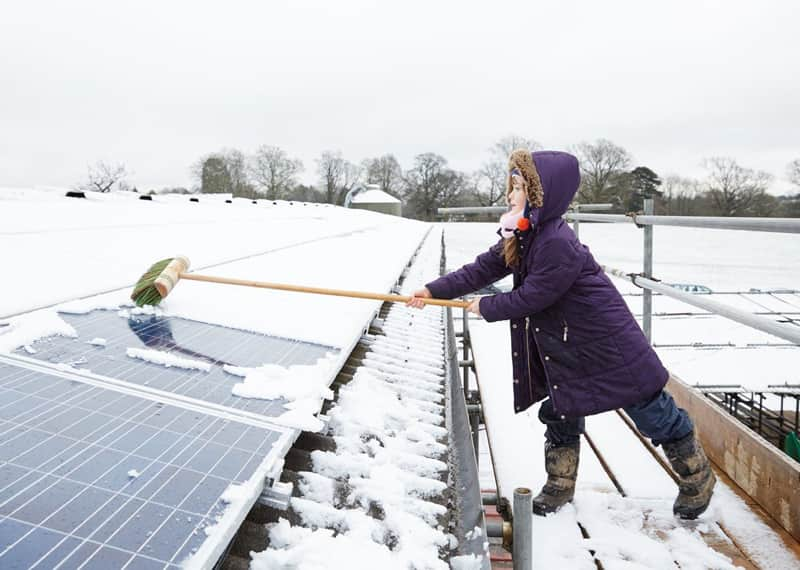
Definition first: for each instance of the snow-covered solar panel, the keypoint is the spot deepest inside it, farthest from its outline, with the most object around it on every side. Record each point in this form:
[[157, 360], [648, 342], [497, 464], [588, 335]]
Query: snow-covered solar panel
[[95, 476], [212, 348]]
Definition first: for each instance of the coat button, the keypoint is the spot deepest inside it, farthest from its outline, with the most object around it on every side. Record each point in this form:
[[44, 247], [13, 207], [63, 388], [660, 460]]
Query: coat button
[[517, 408], [536, 329], [514, 325], [516, 354], [555, 386], [516, 380], [547, 358], [563, 417], [522, 247]]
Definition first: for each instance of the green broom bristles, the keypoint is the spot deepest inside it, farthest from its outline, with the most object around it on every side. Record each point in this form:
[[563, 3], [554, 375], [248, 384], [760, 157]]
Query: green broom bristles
[[145, 292]]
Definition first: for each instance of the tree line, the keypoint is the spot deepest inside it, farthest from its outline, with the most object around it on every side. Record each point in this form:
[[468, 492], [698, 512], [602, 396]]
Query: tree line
[[608, 175]]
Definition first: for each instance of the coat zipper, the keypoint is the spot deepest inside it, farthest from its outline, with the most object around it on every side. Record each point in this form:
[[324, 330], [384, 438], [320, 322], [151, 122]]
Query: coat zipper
[[565, 328], [528, 354]]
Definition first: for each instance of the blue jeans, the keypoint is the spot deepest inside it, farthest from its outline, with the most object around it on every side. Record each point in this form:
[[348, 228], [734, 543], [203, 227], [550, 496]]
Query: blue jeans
[[658, 418]]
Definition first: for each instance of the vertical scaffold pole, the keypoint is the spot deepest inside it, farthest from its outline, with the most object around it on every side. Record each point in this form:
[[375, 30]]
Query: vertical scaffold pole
[[647, 299], [523, 529]]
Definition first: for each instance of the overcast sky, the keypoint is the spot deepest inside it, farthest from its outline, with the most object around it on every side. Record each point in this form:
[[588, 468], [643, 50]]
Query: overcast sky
[[155, 85]]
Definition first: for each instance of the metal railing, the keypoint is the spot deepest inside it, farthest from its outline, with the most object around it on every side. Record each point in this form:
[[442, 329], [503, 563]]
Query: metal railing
[[750, 408], [471, 210], [778, 225], [645, 280]]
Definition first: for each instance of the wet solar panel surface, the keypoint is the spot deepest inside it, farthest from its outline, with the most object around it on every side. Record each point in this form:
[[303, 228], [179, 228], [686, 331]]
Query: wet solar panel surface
[[201, 342], [97, 477], [92, 477]]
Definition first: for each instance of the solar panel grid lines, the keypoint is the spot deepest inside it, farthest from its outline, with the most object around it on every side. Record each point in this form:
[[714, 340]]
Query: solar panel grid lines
[[93, 549], [88, 540], [214, 386], [142, 391]]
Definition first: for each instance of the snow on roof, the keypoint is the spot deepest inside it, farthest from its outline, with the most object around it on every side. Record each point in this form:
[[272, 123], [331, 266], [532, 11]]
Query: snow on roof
[[104, 245], [374, 196]]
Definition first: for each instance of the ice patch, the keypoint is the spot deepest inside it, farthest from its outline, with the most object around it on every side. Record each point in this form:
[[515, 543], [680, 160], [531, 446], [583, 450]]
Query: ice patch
[[167, 359]]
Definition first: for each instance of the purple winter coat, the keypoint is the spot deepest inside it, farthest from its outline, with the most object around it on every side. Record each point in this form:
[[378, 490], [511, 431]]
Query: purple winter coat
[[573, 338]]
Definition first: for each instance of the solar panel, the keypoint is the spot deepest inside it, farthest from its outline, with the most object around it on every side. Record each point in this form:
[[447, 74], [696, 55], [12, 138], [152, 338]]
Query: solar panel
[[213, 345], [98, 478]]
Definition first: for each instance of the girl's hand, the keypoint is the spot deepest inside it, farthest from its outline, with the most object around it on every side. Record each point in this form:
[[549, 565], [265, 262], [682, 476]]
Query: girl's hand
[[417, 299], [475, 306]]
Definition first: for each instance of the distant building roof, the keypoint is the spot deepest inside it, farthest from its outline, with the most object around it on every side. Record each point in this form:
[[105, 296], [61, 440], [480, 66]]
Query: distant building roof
[[374, 196]]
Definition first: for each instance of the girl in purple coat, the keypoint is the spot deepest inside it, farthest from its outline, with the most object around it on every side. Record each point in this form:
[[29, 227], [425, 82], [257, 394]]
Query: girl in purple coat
[[574, 342]]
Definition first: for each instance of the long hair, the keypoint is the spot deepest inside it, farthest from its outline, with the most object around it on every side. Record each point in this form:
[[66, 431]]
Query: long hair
[[511, 251], [510, 245]]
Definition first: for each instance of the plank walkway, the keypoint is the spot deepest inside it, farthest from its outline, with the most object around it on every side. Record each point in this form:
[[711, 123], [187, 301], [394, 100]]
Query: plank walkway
[[623, 503]]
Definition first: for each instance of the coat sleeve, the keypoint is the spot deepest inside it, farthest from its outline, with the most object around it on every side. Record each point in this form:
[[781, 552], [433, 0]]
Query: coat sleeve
[[555, 268], [487, 268]]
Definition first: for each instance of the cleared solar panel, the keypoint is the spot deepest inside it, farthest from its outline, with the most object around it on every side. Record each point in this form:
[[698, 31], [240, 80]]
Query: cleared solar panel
[[96, 478], [201, 342]]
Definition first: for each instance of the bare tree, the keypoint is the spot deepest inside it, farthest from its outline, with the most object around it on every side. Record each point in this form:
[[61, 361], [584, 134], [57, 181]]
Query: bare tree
[[102, 177], [490, 183], [603, 166], [384, 171], [273, 171], [353, 174], [793, 172], [509, 143], [430, 184], [337, 176], [330, 168], [679, 196], [490, 179], [236, 163], [733, 189]]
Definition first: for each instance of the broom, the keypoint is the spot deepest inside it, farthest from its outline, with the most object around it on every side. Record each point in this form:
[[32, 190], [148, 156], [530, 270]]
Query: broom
[[163, 275]]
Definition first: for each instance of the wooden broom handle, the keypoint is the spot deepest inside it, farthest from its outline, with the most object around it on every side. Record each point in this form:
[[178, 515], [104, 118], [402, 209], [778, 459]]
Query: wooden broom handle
[[320, 290]]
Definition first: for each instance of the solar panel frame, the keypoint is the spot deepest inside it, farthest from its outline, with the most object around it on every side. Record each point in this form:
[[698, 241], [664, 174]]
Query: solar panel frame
[[55, 394]]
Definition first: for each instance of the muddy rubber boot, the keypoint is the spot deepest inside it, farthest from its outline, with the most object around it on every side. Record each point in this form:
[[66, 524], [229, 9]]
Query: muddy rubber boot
[[561, 464], [697, 480]]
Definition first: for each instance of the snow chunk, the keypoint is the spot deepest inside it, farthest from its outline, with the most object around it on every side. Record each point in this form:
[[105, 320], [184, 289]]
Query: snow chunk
[[25, 329], [234, 494], [303, 386], [133, 473], [167, 359], [273, 381], [97, 341]]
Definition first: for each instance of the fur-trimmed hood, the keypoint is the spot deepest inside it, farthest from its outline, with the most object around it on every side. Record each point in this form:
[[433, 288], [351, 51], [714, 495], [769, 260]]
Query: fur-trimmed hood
[[553, 178]]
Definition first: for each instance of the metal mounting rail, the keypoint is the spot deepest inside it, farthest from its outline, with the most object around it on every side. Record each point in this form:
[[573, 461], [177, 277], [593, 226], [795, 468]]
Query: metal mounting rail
[[792, 334]]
